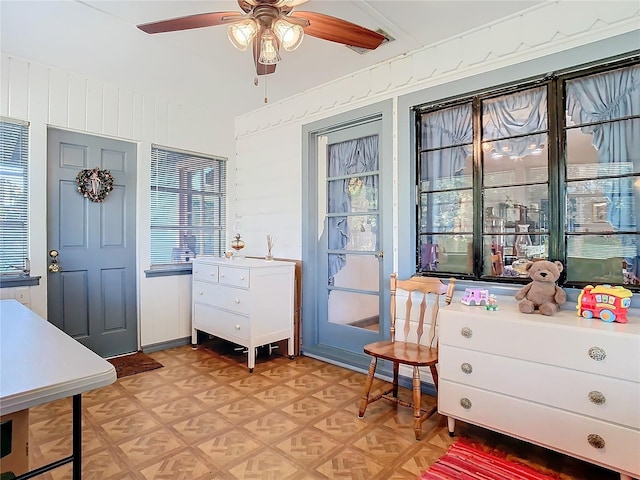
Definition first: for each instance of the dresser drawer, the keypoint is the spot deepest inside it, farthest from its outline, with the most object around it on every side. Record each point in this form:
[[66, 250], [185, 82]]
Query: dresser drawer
[[605, 398], [235, 277], [553, 428], [612, 354], [221, 323], [205, 272], [216, 295]]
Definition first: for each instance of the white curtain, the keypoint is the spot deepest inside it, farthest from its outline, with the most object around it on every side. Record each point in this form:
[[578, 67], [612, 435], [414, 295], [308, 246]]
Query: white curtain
[[515, 115]]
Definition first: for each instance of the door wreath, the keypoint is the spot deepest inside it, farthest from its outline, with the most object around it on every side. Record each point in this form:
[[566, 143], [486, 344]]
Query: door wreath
[[94, 184]]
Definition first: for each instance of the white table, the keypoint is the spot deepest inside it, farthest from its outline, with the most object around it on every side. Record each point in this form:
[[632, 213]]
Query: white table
[[40, 363]]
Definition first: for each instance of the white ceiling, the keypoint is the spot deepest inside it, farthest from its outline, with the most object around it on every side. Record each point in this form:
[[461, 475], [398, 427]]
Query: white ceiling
[[99, 39]]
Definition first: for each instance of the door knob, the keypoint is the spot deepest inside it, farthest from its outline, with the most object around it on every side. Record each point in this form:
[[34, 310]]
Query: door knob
[[379, 254], [54, 267]]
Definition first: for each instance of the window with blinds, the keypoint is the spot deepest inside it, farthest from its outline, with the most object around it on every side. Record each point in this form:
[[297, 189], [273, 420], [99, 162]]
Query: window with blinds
[[188, 206], [14, 196]]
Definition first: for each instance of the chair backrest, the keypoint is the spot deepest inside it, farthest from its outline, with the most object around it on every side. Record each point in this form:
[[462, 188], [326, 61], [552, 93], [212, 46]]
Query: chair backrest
[[419, 288], [497, 267]]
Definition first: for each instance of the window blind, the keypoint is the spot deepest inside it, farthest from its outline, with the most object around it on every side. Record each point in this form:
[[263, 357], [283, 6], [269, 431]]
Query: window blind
[[188, 206], [14, 195]]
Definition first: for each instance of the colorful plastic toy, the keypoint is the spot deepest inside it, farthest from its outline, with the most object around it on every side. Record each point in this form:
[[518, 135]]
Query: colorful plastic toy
[[492, 303], [475, 296], [609, 304]]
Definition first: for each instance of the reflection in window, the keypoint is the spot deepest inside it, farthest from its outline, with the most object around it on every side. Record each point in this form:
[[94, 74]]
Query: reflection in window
[[446, 195], [603, 176], [489, 167], [188, 206]]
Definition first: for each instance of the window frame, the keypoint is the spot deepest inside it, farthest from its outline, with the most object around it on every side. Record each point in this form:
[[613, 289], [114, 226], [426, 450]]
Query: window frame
[[21, 273], [184, 213], [556, 164]]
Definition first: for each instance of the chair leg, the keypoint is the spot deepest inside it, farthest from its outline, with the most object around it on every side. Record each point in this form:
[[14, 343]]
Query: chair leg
[[417, 424], [434, 375], [364, 401], [396, 368]]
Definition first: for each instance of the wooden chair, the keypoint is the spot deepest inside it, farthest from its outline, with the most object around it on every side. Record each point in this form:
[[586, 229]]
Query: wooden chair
[[497, 267], [408, 350]]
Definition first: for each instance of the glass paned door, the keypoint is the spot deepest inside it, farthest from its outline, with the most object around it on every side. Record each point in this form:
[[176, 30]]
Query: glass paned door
[[349, 250]]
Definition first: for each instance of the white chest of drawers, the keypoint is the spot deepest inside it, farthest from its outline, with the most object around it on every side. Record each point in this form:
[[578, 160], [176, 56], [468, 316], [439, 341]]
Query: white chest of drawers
[[562, 382], [246, 301]]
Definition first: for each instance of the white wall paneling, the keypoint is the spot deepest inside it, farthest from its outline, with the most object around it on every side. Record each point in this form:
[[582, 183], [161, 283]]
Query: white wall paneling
[[47, 96]]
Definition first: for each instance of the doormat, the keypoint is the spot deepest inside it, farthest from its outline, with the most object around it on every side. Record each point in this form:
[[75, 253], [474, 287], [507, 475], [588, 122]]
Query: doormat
[[463, 461], [135, 363]]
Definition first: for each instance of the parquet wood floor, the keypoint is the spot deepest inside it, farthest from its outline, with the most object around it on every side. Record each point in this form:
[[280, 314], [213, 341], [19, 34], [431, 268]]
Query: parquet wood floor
[[203, 416]]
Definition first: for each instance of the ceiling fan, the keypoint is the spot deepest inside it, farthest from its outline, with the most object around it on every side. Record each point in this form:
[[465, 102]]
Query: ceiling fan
[[268, 25]]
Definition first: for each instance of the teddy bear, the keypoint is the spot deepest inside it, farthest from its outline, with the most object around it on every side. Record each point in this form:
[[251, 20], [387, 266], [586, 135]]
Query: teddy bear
[[542, 293]]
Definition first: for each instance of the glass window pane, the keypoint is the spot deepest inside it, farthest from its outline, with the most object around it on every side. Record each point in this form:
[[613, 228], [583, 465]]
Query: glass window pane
[[502, 167], [510, 259], [446, 253], [14, 196], [446, 169], [609, 259], [188, 203], [518, 205], [515, 114], [604, 96], [618, 152], [602, 205], [354, 309], [447, 211], [447, 127], [360, 232], [359, 272], [353, 156], [354, 194]]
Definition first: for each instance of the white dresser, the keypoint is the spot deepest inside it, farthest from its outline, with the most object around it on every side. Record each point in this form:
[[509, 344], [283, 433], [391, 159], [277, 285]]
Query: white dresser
[[246, 301], [562, 382]]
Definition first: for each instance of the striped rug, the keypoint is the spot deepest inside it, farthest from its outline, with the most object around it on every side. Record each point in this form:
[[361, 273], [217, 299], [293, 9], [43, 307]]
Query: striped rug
[[463, 461]]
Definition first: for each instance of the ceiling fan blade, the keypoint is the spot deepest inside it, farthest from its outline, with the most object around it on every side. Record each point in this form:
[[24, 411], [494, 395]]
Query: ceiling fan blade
[[261, 69], [339, 31], [191, 21]]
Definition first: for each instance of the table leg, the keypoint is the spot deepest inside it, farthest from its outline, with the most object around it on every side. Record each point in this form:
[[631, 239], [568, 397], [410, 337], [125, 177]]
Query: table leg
[[76, 445], [77, 437]]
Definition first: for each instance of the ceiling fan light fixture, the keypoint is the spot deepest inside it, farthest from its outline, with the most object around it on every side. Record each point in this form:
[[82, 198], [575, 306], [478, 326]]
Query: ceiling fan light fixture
[[268, 49], [241, 34], [289, 34]]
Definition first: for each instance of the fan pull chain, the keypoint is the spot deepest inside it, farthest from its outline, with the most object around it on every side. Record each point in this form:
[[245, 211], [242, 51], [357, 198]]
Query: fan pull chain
[[265, 89]]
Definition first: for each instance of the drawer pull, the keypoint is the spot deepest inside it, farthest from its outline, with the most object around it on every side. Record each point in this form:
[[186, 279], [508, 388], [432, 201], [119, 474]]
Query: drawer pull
[[595, 440], [237, 327], [237, 300], [222, 274], [212, 274], [466, 368], [597, 353], [241, 277], [466, 332], [200, 293], [597, 397], [465, 403]]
